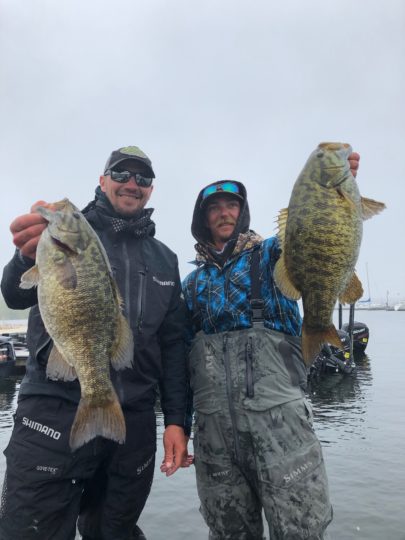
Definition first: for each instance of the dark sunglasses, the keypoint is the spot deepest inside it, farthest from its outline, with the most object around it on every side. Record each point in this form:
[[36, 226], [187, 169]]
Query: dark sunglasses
[[124, 176], [224, 187]]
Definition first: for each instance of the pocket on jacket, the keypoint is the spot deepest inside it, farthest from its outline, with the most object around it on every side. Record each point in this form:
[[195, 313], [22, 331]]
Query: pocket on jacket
[[260, 374], [269, 381]]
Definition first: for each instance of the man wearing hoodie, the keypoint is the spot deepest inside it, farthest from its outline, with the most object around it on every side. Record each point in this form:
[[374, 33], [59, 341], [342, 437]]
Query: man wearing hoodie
[[47, 485], [254, 444]]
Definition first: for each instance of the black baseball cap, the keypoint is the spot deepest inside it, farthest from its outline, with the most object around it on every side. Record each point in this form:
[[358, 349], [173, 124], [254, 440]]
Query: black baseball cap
[[125, 153]]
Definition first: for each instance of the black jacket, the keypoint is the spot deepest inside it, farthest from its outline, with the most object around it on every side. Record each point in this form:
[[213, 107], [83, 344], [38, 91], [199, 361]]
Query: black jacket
[[147, 275]]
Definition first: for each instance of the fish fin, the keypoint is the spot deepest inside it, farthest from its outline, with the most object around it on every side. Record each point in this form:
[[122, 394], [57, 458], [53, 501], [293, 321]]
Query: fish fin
[[282, 222], [353, 291], [116, 291], [123, 348], [106, 420], [313, 339], [123, 352], [58, 368], [281, 277], [66, 275], [30, 278], [370, 207], [282, 280], [346, 197]]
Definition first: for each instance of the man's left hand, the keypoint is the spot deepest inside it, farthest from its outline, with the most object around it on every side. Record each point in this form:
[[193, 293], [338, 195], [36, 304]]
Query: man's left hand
[[175, 446], [354, 159]]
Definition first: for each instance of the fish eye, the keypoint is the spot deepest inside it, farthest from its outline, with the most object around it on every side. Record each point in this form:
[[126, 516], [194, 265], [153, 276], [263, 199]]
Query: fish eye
[[76, 215], [320, 154]]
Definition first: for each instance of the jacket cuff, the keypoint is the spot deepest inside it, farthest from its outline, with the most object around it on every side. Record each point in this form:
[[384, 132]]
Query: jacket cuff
[[174, 419], [188, 422]]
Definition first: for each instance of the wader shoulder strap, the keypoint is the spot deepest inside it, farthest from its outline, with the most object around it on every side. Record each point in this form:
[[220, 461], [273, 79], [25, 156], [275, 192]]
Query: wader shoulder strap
[[256, 300]]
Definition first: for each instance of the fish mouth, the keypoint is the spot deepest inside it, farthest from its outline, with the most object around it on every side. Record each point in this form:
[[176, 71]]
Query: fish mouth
[[333, 146], [333, 168], [334, 184], [62, 246], [334, 176]]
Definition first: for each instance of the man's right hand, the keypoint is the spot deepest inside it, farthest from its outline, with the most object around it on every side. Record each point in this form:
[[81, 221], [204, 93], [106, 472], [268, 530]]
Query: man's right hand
[[27, 229]]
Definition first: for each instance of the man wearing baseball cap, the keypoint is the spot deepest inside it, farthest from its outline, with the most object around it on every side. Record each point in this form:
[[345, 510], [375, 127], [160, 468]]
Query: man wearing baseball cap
[[103, 483]]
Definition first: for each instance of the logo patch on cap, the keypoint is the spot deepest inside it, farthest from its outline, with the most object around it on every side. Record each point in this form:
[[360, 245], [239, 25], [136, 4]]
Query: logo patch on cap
[[133, 151]]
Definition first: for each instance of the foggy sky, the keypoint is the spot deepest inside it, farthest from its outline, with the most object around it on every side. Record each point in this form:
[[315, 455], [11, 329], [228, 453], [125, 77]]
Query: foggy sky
[[209, 90]]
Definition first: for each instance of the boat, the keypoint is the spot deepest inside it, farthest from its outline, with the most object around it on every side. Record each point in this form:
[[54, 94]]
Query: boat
[[367, 303], [400, 306], [373, 306], [7, 357], [332, 360], [18, 339], [358, 332], [361, 336]]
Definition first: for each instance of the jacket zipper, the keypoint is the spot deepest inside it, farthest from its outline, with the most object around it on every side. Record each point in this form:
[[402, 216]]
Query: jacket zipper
[[249, 369], [39, 349], [141, 296], [228, 271], [226, 284], [232, 411], [127, 279]]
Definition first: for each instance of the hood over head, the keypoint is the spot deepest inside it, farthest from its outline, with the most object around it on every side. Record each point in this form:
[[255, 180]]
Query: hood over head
[[198, 228]]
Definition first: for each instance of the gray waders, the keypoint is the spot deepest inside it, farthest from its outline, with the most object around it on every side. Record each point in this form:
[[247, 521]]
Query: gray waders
[[254, 444]]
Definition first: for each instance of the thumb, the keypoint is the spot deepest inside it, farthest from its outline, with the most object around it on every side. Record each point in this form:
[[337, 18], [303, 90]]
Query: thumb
[[41, 203]]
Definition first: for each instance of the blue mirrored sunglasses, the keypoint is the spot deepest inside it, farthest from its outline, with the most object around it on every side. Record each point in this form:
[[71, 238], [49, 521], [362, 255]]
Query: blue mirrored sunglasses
[[124, 176], [224, 187]]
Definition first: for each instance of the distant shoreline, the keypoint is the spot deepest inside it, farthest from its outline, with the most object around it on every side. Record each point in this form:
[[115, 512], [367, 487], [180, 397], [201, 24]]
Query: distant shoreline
[[13, 325]]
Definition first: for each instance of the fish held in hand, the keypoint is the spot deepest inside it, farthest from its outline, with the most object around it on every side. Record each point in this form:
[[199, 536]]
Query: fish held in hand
[[320, 235], [81, 309]]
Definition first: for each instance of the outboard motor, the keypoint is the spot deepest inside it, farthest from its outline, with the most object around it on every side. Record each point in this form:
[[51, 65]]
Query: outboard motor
[[360, 337], [344, 352], [333, 360]]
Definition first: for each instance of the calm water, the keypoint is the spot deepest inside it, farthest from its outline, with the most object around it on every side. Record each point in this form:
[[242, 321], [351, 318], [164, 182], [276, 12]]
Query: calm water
[[360, 422]]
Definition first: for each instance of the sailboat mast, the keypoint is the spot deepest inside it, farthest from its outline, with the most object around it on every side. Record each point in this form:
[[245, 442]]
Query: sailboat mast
[[368, 283]]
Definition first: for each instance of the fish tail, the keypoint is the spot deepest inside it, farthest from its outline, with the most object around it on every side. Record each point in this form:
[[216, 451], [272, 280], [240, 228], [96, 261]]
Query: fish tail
[[106, 420], [313, 339]]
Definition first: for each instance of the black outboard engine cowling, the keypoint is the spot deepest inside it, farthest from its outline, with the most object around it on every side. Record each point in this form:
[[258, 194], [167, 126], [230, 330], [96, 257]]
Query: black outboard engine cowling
[[344, 352], [333, 360], [360, 336]]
